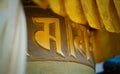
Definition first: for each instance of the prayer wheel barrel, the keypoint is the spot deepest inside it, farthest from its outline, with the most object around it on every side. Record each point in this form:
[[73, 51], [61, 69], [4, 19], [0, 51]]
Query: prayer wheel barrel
[[56, 45]]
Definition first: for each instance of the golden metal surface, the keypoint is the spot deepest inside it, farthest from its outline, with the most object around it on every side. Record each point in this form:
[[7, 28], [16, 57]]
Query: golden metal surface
[[43, 37], [52, 37], [78, 40]]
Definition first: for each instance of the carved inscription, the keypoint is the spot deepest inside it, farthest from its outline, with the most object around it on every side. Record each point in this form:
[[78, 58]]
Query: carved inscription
[[78, 40], [49, 29], [55, 38]]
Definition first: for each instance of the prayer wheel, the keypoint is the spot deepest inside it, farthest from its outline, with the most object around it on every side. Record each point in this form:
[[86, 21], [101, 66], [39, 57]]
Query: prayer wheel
[[57, 45]]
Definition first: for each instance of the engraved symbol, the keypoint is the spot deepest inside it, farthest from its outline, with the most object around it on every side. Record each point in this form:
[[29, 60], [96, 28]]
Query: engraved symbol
[[78, 39], [49, 28]]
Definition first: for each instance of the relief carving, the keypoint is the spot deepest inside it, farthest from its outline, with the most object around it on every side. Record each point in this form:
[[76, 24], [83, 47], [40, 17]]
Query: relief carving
[[55, 38], [77, 36], [50, 30], [78, 39], [77, 43]]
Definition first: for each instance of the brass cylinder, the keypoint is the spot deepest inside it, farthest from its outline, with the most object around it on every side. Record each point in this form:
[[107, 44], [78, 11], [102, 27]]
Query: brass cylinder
[[56, 45]]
